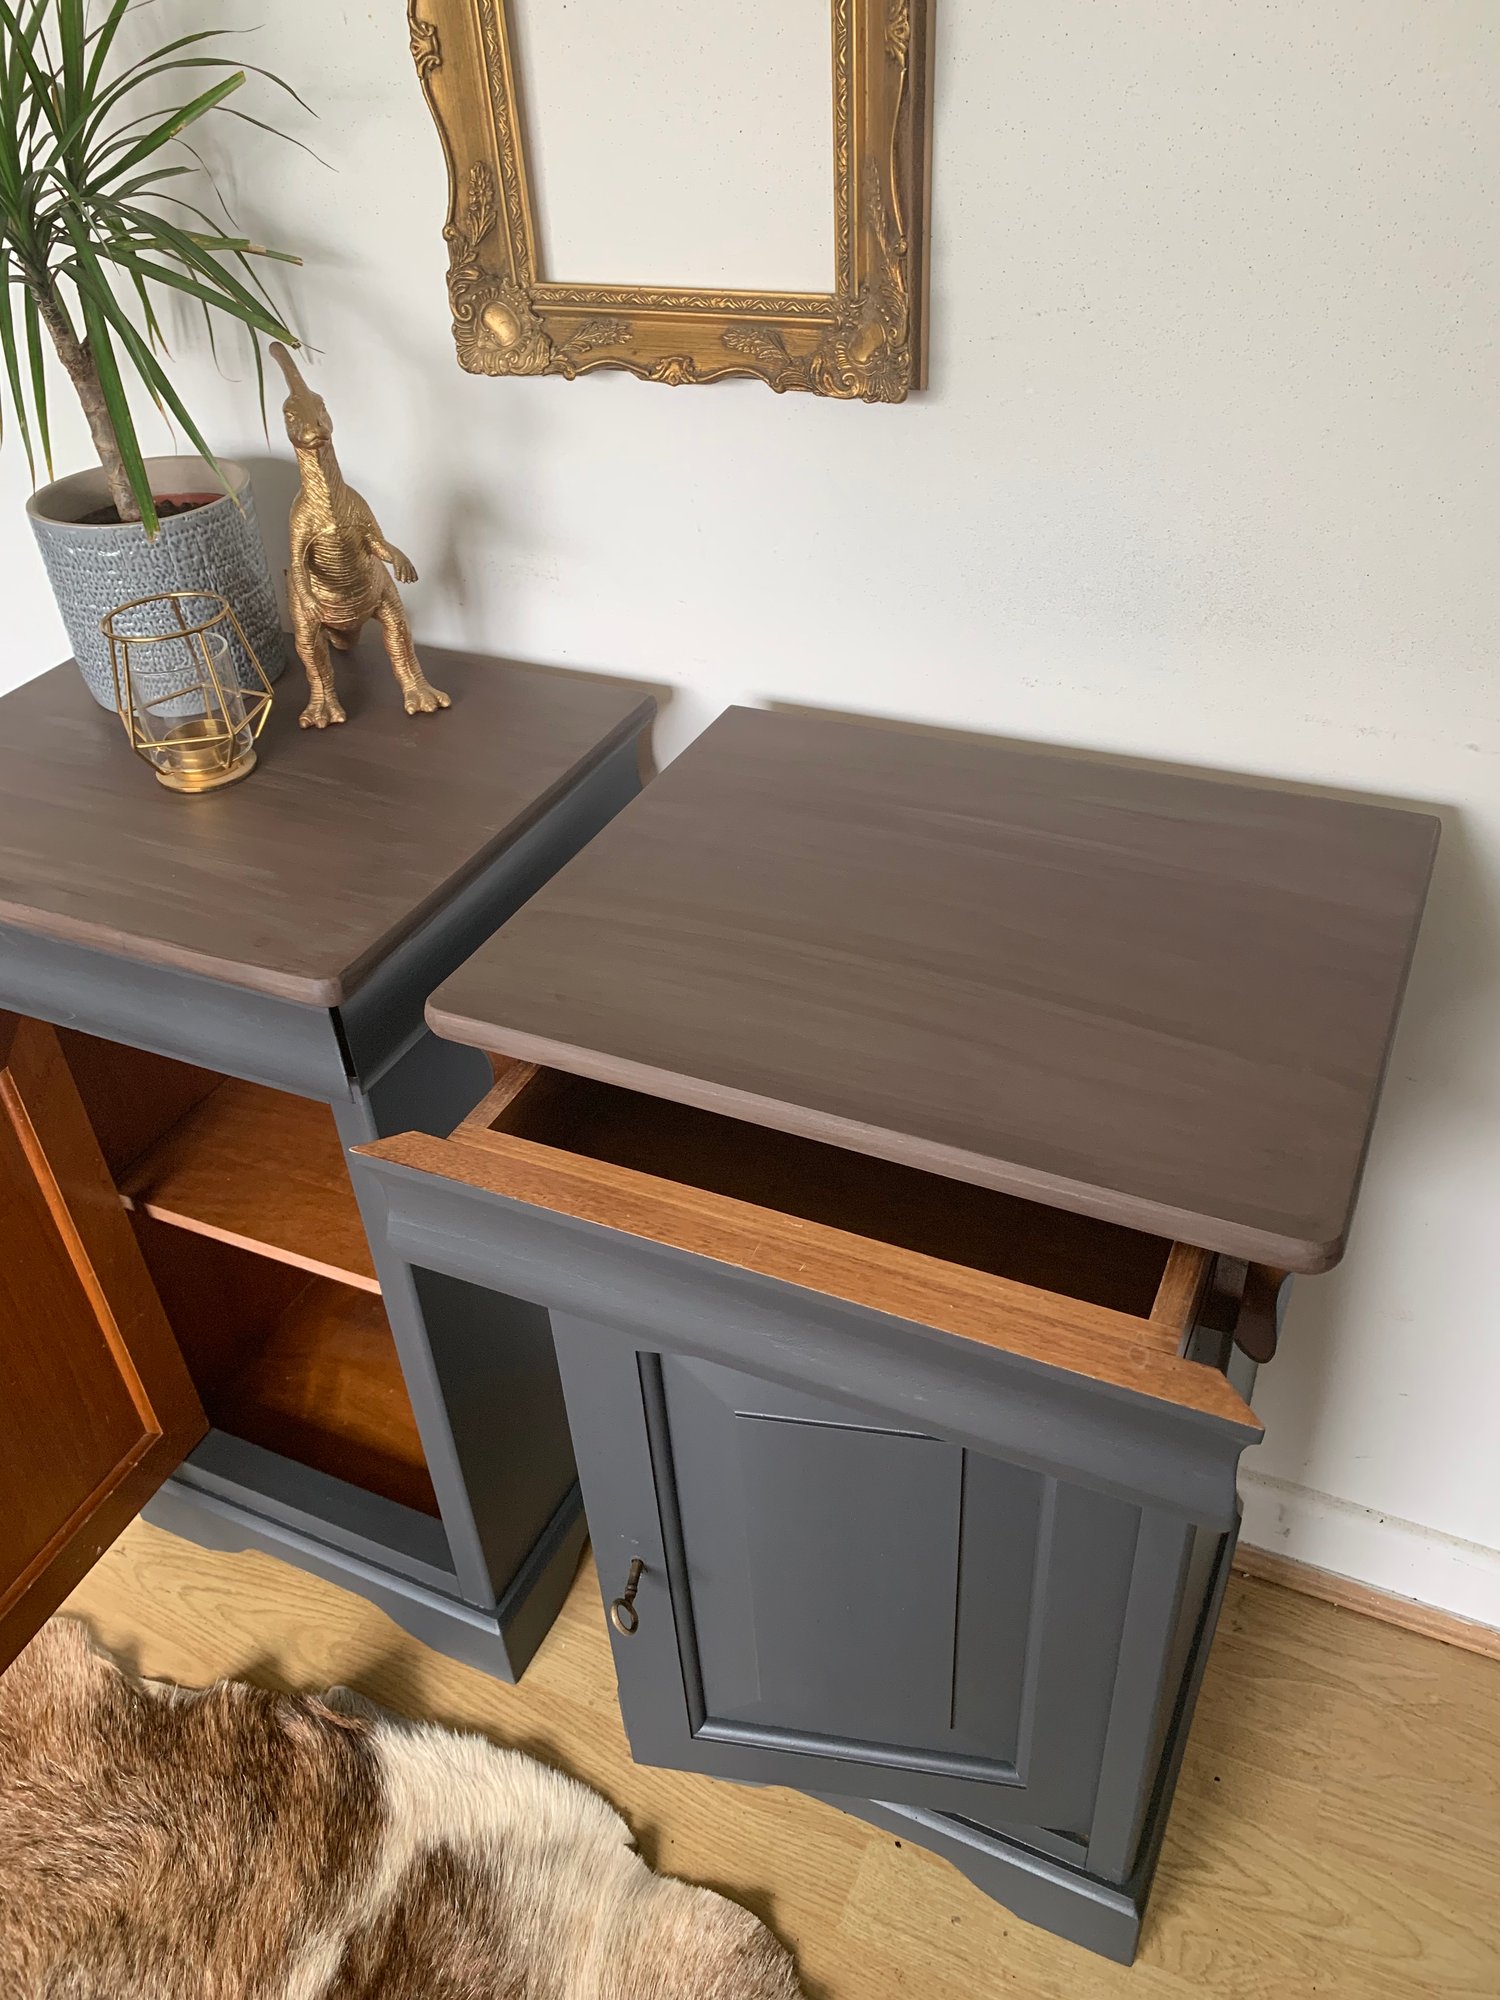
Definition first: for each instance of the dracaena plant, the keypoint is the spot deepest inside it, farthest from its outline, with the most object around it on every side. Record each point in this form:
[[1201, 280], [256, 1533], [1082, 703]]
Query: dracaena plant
[[97, 216]]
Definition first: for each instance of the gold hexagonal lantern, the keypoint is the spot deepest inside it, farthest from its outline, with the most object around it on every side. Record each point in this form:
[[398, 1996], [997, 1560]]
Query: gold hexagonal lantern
[[180, 661]]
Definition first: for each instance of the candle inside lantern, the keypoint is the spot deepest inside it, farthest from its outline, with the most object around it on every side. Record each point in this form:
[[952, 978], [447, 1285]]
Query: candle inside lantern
[[191, 704]]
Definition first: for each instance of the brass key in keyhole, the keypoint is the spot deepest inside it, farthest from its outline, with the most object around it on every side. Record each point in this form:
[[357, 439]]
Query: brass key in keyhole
[[622, 1613]]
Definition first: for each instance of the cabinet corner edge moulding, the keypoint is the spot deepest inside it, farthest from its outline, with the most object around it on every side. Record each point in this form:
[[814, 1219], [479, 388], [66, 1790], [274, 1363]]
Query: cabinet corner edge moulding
[[865, 339]]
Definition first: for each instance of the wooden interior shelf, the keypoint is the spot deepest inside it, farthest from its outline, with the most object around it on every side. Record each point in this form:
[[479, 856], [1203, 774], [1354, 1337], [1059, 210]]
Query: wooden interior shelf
[[263, 1170], [244, 1210], [304, 1366], [323, 1386]]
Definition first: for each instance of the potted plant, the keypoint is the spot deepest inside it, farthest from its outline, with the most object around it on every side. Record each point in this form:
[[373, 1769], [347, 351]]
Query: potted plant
[[94, 225]]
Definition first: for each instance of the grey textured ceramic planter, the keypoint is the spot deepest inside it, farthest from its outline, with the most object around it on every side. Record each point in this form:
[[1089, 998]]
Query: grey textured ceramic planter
[[215, 547]]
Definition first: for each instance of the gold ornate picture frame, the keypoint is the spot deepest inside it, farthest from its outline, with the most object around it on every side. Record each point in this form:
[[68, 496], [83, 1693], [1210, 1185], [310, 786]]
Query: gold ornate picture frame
[[865, 338]]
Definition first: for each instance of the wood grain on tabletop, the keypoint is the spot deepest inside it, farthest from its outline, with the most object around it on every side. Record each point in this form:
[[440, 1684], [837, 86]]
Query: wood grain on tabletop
[[1334, 1835], [1158, 998], [296, 880]]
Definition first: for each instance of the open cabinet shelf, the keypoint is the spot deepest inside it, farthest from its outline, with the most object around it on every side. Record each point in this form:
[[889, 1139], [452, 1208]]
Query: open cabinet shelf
[[262, 1170], [304, 1366], [323, 1386], [242, 1205]]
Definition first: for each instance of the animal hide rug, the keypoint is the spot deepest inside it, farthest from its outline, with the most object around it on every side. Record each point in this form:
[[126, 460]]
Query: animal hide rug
[[229, 1843]]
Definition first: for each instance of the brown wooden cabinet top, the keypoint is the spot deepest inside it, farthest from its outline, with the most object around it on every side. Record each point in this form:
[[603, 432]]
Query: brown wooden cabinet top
[[299, 879], [1161, 999]]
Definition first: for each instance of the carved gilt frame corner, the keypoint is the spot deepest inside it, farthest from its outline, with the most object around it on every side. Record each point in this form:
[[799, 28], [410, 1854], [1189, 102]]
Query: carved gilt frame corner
[[866, 338]]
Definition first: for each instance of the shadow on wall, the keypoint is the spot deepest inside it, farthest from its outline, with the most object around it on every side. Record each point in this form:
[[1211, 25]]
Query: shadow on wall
[[274, 484], [464, 538], [470, 525], [449, 552], [1449, 1006], [460, 539]]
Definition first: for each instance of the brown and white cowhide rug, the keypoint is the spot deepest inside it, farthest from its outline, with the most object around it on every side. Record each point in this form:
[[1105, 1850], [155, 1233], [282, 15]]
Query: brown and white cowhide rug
[[159, 1843]]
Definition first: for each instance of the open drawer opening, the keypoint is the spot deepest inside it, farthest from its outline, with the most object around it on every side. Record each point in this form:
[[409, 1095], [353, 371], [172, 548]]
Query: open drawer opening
[[502, 1199], [1073, 1256]]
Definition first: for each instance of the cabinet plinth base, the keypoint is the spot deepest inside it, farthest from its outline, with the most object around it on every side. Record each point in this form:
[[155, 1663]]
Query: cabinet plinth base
[[1070, 1903], [500, 1641]]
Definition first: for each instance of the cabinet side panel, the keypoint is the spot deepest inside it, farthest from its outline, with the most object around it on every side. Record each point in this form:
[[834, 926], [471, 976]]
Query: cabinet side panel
[[478, 1365], [497, 1369]]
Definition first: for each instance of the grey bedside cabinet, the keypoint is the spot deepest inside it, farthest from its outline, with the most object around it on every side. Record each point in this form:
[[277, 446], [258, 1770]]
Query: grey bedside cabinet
[[908, 1136], [205, 1001]]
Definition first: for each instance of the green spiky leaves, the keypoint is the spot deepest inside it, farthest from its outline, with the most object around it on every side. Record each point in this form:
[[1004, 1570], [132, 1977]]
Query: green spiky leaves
[[94, 223]]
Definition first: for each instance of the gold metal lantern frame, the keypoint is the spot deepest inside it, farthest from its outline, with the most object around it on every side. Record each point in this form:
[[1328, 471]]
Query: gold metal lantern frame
[[179, 659]]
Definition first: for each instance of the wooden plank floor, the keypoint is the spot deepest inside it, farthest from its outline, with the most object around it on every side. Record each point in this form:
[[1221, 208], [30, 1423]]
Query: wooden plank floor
[[1337, 1829]]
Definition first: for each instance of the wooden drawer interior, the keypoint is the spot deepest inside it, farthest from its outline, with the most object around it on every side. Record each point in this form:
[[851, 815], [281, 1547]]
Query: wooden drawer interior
[[1069, 1292], [1071, 1256], [242, 1205]]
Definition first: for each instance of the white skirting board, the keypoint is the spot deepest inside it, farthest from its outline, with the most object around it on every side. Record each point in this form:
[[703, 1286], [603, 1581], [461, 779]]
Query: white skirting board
[[1388, 1554]]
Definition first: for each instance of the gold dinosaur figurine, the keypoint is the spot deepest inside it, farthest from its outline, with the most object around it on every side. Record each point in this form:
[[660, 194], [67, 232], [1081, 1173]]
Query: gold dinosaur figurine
[[338, 571]]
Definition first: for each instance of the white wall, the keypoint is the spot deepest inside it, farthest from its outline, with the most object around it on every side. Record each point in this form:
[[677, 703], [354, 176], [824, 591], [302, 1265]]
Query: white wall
[[1207, 472]]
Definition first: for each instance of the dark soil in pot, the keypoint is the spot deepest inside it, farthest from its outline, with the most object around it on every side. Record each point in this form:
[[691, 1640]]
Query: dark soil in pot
[[167, 504]]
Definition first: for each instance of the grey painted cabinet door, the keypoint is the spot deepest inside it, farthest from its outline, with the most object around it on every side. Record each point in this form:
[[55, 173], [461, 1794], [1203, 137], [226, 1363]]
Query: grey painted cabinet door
[[843, 1604]]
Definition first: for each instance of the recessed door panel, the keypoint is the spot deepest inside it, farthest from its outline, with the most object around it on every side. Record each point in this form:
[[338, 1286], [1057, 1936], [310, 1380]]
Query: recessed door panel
[[841, 1603], [834, 1588]]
